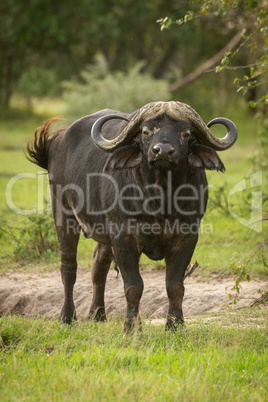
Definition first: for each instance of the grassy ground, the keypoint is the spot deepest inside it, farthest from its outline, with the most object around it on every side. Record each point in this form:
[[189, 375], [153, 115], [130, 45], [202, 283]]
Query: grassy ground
[[225, 360], [223, 240]]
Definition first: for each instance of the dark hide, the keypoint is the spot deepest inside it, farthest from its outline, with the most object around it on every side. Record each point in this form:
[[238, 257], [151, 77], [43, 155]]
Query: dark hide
[[163, 196]]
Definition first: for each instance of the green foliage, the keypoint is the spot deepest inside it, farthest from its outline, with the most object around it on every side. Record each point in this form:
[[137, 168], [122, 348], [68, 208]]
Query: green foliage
[[31, 35], [240, 274], [241, 271], [11, 333], [37, 81], [260, 160], [33, 239], [225, 360], [166, 22], [218, 199], [52, 41], [64, 36], [37, 238], [252, 19], [117, 90]]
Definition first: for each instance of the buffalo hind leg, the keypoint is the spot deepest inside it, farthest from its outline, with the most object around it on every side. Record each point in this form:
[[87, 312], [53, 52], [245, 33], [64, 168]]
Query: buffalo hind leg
[[101, 264], [68, 236], [127, 258], [177, 263]]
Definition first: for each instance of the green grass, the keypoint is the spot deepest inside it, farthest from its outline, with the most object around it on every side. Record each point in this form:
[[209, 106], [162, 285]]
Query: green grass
[[225, 360], [222, 240]]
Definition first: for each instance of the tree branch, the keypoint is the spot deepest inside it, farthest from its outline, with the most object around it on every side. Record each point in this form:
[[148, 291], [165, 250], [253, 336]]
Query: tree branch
[[207, 65]]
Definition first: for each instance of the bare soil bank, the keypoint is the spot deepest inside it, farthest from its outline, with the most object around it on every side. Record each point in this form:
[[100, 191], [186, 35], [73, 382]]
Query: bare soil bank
[[41, 295]]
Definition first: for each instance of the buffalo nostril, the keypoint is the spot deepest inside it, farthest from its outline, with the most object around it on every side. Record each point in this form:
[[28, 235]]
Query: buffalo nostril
[[163, 149], [171, 150], [156, 149]]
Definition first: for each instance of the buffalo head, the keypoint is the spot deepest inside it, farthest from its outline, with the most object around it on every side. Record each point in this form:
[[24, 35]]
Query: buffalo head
[[166, 135]]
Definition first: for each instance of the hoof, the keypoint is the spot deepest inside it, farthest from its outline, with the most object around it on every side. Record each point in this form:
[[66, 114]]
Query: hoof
[[131, 328], [68, 321], [67, 316], [98, 315], [174, 325]]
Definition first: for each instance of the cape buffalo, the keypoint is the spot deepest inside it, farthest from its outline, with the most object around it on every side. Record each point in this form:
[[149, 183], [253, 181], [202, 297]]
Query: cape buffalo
[[136, 185]]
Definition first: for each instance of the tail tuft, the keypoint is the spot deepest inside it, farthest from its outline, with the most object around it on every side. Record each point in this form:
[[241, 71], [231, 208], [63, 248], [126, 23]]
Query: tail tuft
[[37, 150]]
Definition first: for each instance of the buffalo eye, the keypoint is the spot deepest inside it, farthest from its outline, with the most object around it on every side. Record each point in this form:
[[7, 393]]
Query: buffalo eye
[[146, 131], [186, 135]]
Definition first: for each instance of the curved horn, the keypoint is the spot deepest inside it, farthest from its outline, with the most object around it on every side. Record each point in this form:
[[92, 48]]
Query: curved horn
[[220, 144], [100, 141], [182, 111]]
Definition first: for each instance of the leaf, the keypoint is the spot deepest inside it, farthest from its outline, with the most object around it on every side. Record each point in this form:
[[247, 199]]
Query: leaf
[[252, 104]]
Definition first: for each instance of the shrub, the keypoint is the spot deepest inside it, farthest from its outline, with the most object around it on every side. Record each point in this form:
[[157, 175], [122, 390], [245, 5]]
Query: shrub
[[36, 238], [100, 89]]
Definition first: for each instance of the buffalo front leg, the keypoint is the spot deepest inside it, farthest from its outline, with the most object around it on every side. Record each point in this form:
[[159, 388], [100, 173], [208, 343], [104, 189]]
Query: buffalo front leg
[[176, 264], [127, 258], [100, 268]]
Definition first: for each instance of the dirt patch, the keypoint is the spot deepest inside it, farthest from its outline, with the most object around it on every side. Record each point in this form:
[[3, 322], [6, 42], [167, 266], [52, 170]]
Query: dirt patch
[[38, 295]]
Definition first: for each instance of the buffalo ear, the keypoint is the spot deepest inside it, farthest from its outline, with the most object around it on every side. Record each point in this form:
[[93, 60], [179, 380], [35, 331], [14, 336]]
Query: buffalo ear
[[205, 157], [126, 157]]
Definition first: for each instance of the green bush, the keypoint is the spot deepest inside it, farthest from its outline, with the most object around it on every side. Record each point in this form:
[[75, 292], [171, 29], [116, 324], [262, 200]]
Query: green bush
[[38, 81], [36, 238], [100, 89]]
